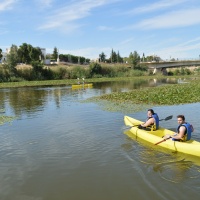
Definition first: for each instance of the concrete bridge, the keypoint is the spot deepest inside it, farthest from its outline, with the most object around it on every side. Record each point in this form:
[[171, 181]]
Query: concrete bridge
[[163, 65], [171, 64]]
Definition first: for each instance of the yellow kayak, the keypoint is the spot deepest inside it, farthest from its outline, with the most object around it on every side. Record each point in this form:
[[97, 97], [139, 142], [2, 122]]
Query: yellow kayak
[[190, 147], [82, 85]]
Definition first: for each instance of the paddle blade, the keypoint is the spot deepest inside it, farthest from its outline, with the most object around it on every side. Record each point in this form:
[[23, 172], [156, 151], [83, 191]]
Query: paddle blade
[[126, 127], [168, 118]]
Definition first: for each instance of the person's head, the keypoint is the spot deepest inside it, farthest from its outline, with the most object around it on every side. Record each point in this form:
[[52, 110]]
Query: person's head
[[150, 112], [181, 119]]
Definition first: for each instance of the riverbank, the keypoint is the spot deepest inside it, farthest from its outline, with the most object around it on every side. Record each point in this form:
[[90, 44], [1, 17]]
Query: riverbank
[[68, 82]]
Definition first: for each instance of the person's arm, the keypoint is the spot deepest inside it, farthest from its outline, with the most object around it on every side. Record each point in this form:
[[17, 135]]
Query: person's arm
[[148, 122], [181, 133]]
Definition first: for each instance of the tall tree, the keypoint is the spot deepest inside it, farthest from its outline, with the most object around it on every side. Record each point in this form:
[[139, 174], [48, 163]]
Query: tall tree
[[119, 58], [134, 59], [36, 54], [102, 57], [24, 53], [12, 59], [113, 57], [1, 54], [55, 53], [27, 53]]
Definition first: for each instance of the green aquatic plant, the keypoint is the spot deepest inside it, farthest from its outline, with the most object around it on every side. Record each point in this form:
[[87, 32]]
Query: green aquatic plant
[[4, 119], [173, 94]]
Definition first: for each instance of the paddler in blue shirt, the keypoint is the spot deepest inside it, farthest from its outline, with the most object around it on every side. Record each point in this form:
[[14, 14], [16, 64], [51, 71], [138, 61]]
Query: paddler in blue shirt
[[151, 122]]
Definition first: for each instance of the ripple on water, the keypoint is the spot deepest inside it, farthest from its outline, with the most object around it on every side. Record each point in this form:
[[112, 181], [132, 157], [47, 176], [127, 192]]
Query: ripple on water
[[171, 166]]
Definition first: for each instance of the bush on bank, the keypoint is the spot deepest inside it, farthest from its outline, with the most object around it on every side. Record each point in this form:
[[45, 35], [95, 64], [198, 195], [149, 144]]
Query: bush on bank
[[40, 72], [37, 71]]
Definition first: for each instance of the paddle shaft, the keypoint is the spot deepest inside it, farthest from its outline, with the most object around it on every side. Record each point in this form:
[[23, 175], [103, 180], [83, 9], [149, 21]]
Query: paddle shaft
[[162, 141]]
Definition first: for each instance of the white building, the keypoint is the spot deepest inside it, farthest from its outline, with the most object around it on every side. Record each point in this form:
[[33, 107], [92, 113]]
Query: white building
[[43, 52], [4, 57]]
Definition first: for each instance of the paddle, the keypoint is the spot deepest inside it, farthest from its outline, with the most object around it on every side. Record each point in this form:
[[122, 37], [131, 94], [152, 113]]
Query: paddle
[[162, 140], [167, 118]]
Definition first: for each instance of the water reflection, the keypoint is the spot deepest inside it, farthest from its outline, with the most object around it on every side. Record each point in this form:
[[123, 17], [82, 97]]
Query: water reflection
[[61, 146], [177, 171], [172, 166], [126, 85], [31, 100]]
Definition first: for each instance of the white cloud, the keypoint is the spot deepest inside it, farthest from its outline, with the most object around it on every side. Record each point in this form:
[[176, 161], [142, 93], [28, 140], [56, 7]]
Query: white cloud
[[44, 3], [127, 41], [158, 6], [104, 28], [72, 12], [7, 4], [180, 50], [180, 18]]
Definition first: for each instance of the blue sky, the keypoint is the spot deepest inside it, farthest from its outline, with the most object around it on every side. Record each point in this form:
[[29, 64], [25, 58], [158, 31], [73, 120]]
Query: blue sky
[[167, 28]]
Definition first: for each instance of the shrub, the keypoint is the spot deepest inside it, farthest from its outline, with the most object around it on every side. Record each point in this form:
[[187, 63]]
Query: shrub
[[25, 74], [77, 72], [95, 68], [4, 74]]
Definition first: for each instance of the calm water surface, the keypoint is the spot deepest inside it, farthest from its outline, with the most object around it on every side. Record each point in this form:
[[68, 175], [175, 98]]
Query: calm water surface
[[59, 148]]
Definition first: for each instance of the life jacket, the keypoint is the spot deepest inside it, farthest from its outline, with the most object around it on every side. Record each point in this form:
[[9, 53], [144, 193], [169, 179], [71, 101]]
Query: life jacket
[[188, 132], [155, 126], [156, 118]]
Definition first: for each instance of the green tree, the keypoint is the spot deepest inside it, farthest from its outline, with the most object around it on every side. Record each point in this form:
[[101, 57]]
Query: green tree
[[27, 53], [149, 58], [143, 57], [35, 54], [95, 68], [113, 57], [119, 58], [24, 53], [134, 59], [1, 54], [55, 53], [12, 60], [102, 57], [48, 56]]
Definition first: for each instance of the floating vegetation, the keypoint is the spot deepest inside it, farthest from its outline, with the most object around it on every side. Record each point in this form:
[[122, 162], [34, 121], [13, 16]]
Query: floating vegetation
[[173, 94], [5, 119]]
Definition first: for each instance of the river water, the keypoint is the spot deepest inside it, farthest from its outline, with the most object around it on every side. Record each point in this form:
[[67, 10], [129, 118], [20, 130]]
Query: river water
[[59, 148]]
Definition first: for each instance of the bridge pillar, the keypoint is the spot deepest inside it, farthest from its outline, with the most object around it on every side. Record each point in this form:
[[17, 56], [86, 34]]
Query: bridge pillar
[[163, 71], [154, 71]]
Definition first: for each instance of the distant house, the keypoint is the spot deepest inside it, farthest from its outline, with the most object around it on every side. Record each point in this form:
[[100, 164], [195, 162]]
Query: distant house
[[4, 56], [43, 52], [95, 60]]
